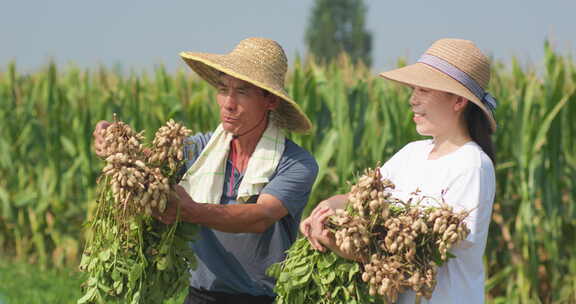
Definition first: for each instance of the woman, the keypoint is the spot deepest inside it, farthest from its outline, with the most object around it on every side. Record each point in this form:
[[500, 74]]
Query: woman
[[450, 104]]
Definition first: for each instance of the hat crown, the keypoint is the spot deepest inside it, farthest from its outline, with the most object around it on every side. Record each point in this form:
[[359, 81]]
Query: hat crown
[[464, 55], [263, 59]]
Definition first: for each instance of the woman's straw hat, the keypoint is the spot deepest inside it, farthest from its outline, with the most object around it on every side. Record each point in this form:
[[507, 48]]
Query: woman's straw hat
[[451, 65], [261, 62]]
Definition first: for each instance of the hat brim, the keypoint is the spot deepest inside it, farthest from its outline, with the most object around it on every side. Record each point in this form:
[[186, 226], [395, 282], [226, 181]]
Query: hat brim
[[425, 76], [287, 115]]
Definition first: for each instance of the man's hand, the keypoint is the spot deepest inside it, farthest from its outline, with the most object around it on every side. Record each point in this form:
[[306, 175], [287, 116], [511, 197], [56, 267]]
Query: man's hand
[[98, 138], [178, 198]]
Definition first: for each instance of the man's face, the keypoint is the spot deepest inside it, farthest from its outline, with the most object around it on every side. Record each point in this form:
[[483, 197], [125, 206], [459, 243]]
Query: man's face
[[242, 105]]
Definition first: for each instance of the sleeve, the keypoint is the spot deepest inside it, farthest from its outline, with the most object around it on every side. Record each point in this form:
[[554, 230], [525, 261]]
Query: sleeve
[[474, 190], [293, 182], [193, 146]]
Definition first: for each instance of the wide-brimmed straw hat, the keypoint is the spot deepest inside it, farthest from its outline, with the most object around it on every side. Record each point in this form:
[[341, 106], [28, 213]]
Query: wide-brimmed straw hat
[[452, 65], [261, 62]]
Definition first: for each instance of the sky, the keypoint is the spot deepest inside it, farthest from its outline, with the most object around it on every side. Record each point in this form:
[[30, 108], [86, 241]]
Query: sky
[[141, 34]]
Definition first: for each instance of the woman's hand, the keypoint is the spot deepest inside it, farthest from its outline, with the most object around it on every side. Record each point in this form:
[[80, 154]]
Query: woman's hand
[[313, 227]]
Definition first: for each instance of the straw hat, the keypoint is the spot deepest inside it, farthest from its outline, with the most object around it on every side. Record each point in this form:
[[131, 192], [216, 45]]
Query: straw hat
[[261, 62], [451, 65]]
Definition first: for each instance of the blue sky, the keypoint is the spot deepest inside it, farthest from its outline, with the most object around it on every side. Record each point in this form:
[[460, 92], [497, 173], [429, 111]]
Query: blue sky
[[140, 34]]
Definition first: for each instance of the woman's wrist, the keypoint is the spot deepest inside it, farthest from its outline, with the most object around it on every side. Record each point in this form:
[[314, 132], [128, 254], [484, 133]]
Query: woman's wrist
[[336, 202], [324, 204]]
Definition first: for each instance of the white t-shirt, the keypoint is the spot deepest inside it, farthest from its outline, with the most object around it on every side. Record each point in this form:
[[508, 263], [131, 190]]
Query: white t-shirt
[[467, 177]]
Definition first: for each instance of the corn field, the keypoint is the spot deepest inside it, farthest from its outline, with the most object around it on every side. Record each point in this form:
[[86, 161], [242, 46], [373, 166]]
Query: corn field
[[48, 168]]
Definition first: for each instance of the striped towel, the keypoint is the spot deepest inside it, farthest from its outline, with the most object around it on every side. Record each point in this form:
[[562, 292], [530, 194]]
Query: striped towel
[[204, 181]]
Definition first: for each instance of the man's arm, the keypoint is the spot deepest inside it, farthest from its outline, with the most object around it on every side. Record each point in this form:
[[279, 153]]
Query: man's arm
[[286, 194], [237, 218]]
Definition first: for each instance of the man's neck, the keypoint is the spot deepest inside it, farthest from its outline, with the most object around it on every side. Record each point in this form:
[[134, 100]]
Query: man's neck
[[245, 145]]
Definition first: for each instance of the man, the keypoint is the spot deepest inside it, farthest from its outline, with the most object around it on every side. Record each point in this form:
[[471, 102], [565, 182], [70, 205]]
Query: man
[[245, 184]]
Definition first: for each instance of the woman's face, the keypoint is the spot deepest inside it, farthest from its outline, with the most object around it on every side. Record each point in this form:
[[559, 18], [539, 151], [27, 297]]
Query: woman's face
[[435, 112]]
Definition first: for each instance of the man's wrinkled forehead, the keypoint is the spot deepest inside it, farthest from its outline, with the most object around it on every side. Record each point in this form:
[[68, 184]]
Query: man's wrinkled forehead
[[225, 80]]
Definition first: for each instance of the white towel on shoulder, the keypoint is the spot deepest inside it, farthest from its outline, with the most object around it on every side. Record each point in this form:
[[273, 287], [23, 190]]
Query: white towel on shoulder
[[204, 180]]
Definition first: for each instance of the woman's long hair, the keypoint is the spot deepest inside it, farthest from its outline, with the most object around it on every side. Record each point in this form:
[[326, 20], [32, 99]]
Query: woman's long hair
[[479, 129]]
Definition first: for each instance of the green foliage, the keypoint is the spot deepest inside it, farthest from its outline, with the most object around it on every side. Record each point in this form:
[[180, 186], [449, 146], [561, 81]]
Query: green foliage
[[22, 283], [310, 276], [48, 169], [150, 265], [338, 26]]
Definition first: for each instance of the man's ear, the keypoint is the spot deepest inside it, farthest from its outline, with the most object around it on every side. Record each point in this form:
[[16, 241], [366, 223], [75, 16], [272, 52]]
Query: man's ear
[[273, 102]]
